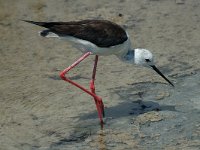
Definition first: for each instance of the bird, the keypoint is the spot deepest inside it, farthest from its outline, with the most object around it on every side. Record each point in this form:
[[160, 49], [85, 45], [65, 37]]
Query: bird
[[99, 38]]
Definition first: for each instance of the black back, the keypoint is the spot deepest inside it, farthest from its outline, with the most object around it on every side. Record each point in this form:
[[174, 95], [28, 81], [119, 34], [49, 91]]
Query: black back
[[102, 33]]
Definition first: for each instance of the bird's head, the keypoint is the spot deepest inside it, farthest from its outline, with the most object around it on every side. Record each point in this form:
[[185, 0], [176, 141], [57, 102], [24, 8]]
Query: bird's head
[[144, 58]]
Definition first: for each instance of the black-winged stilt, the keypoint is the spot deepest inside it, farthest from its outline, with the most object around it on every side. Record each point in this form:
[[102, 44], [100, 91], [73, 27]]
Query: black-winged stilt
[[97, 37]]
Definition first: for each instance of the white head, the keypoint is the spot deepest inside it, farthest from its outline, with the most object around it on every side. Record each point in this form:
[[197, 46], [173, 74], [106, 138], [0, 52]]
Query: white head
[[143, 57]]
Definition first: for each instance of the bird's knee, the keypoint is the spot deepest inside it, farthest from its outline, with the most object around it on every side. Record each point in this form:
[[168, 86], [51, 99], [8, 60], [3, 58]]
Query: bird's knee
[[62, 75]]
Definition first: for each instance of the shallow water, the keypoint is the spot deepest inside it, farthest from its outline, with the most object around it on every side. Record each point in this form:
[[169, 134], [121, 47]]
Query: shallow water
[[147, 121]]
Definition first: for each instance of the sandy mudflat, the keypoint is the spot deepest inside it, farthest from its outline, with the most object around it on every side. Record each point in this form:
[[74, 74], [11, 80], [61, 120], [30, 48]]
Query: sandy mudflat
[[38, 111]]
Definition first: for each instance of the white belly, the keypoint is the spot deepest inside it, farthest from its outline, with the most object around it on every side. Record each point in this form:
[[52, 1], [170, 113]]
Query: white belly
[[86, 46]]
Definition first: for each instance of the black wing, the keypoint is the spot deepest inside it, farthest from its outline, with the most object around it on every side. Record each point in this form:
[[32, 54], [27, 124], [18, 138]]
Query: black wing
[[102, 33]]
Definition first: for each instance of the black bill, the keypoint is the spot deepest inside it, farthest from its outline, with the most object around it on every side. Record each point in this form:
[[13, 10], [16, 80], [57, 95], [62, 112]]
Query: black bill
[[158, 71]]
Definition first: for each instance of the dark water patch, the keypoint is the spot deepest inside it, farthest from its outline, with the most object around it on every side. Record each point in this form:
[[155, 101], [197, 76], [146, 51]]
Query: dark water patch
[[73, 139], [77, 77], [54, 77]]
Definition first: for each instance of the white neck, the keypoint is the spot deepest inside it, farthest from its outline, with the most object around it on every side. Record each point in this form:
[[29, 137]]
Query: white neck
[[129, 57]]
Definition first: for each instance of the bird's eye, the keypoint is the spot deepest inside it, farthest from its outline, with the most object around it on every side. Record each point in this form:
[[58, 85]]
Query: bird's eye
[[147, 60]]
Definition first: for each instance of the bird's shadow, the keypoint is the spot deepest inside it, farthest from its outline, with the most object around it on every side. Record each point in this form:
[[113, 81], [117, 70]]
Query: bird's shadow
[[125, 109], [140, 102]]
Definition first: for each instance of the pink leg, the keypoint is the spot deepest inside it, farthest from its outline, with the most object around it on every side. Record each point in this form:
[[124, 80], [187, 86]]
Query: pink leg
[[92, 86], [97, 99]]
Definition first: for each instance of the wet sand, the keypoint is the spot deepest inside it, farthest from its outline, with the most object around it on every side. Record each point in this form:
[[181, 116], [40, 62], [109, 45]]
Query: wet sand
[[40, 111]]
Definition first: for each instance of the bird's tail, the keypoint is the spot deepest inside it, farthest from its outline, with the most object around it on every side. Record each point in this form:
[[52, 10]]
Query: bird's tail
[[42, 24], [43, 33]]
